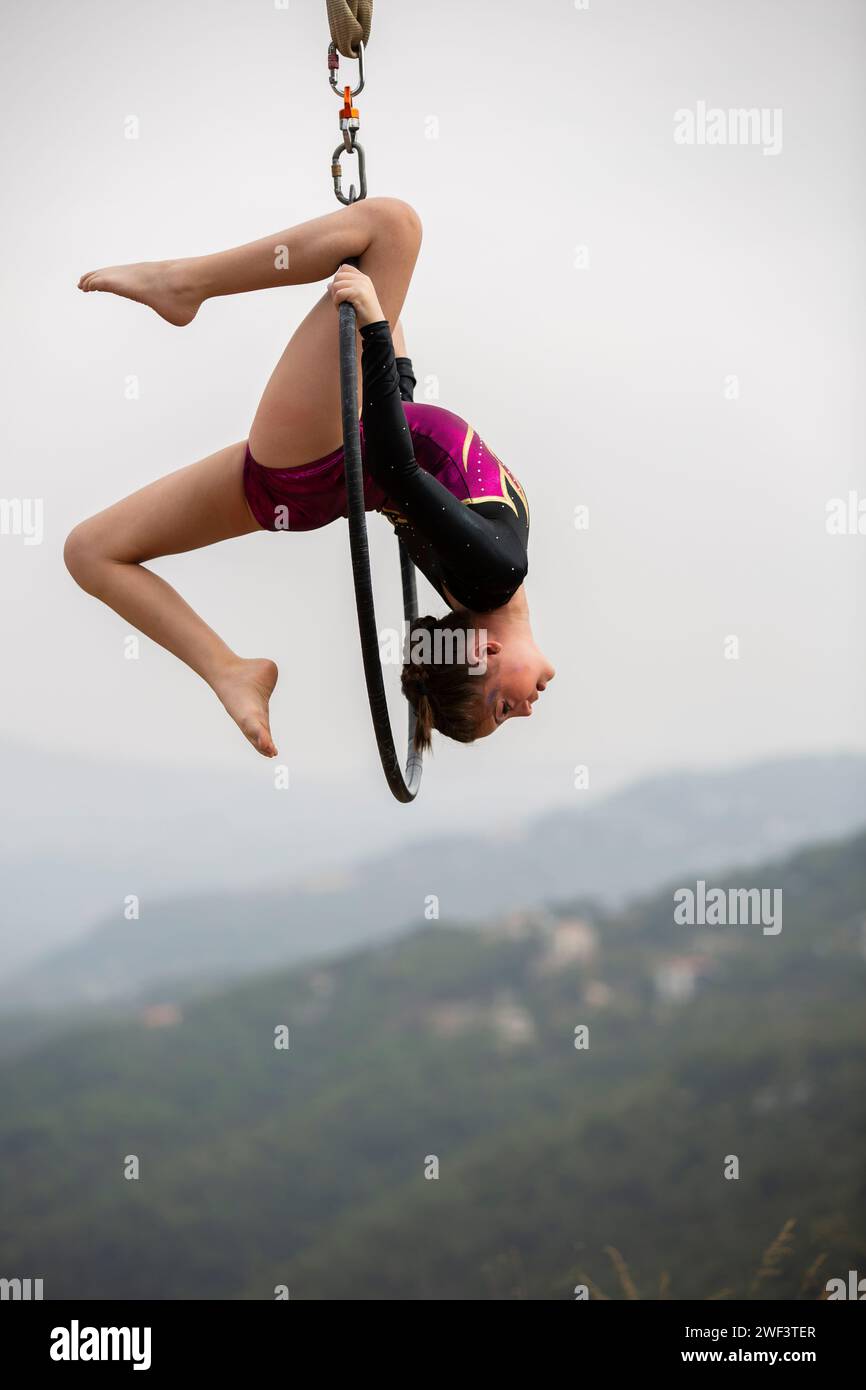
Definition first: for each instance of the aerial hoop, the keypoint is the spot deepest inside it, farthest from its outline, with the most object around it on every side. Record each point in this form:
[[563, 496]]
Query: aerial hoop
[[404, 786]]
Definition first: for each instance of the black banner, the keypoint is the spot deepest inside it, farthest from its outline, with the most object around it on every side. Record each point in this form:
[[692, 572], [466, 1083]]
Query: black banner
[[157, 1339]]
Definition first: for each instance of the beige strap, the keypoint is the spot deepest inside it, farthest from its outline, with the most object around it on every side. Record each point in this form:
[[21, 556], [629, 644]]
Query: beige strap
[[350, 22]]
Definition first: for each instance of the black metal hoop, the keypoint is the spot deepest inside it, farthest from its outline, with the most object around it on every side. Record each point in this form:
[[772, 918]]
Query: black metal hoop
[[403, 786]]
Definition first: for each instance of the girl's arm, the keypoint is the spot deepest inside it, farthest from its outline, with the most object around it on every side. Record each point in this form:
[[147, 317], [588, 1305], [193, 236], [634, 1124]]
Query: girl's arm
[[465, 541], [457, 532]]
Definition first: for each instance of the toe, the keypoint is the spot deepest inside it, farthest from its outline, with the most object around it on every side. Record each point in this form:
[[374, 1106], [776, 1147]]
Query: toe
[[266, 743], [259, 736]]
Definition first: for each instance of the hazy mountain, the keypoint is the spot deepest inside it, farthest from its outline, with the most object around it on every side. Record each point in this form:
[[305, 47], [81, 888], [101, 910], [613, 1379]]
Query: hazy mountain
[[429, 1130], [627, 844], [78, 835]]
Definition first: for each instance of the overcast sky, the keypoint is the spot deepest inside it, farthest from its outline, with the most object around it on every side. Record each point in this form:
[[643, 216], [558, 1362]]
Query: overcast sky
[[670, 335]]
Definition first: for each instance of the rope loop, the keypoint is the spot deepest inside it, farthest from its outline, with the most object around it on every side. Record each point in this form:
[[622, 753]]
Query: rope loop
[[350, 22]]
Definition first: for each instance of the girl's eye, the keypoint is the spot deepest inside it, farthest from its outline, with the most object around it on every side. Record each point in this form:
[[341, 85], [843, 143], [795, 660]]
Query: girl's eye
[[506, 709]]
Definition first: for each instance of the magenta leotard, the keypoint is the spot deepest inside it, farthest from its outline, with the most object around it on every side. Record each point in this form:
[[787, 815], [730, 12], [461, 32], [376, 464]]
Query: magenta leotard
[[461, 513]]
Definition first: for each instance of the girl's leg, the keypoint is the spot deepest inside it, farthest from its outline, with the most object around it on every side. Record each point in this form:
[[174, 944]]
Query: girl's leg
[[299, 416], [399, 338], [298, 255], [298, 419], [194, 507]]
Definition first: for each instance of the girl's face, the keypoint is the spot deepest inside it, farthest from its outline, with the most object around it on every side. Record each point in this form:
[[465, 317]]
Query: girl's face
[[517, 673]]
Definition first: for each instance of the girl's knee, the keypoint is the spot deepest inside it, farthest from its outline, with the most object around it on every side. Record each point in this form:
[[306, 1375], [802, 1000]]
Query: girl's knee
[[401, 218], [82, 555]]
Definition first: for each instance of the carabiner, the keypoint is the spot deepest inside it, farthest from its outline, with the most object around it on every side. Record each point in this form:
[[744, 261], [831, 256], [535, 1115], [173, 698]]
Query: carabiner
[[337, 174], [334, 68]]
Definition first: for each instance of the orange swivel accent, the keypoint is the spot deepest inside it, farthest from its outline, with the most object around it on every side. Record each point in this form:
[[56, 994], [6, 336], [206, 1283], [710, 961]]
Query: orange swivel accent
[[349, 112]]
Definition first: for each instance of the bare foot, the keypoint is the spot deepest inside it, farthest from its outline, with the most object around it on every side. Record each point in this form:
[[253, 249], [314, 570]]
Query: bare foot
[[166, 286], [245, 691]]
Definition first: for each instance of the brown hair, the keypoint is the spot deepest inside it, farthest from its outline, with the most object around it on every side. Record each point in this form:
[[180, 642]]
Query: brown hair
[[442, 693]]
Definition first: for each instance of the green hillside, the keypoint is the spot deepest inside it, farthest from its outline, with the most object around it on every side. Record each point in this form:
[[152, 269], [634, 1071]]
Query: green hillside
[[306, 1167]]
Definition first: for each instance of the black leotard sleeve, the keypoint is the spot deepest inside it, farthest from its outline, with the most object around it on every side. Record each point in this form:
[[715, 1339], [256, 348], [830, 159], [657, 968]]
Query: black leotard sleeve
[[479, 555], [406, 378]]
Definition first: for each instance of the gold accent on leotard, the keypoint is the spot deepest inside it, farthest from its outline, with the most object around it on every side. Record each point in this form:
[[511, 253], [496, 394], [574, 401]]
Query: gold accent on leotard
[[467, 441], [505, 477]]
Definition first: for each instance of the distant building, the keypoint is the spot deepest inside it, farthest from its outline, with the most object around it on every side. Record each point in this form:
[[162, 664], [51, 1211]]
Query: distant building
[[513, 1024], [517, 926], [454, 1017], [597, 995], [781, 1097], [322, 984], [677, 978], [161, 1016], [510, 1022], [569, 942]]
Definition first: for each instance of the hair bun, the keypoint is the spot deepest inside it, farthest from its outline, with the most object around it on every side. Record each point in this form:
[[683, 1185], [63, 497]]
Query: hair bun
[[444, 695]]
